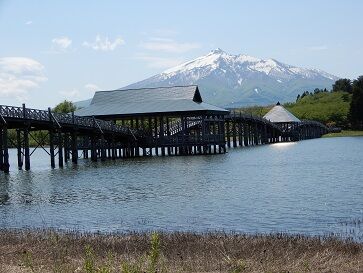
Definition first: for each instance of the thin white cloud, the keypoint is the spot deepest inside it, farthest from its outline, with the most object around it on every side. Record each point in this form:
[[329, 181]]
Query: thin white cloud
[[19, 75], [92, 87], [159, 62], [61, 43], [104, 43], [168, 45], [74, 94], [317, 48], [29, 22]]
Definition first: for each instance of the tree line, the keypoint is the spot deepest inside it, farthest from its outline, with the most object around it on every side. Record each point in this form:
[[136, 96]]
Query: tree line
[[353, 89]]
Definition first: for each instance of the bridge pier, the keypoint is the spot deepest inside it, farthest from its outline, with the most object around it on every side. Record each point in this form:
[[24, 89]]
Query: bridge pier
[[60, 149], [26, 149], [19, 147], [51, 148], [5, 150], [74, 148]]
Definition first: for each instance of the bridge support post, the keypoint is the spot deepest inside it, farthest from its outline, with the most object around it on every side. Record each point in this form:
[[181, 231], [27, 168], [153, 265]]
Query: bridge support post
[[137, 148], [156, 136], [113, 147], [51, 139], [103, 148], [161, 136], [240, 133], [19, 147], [234, 136], [93, 149], [1, 150], [143, 129], [51, 148], [26, 149], [74, 148], [256, 133], [168, 134], [214, 134], [228, 135], [6, 165], [60, 149], [245, 134], [66, 147]]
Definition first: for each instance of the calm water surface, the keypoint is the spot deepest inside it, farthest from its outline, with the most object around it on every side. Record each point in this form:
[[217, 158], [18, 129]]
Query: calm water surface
[[313, 187]]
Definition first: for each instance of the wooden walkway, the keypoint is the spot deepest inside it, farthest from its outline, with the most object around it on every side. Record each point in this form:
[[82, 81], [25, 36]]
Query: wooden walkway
[[67, 135]]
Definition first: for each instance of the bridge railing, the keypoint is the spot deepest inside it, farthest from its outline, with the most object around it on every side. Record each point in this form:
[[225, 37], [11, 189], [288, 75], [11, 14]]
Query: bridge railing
[[314, 123], [250, 117], [62, 119]]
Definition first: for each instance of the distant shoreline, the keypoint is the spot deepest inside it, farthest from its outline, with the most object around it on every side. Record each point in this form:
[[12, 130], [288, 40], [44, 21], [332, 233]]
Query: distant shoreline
[[51, 251], [345, 133]]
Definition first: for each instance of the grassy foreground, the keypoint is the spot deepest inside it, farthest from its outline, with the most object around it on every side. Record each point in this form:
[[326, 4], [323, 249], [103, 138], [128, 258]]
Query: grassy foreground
[[48, 251], [345, 133]]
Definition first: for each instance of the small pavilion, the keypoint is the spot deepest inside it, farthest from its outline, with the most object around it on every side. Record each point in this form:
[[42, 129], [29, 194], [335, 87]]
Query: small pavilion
[[282, 118], [174, 119]]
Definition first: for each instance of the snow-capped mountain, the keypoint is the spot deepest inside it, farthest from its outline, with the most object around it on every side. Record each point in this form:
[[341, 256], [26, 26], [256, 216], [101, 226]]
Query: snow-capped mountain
[[239, 80]]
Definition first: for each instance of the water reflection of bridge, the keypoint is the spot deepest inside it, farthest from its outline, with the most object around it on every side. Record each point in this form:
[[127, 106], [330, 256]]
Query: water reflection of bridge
[[142, 122]]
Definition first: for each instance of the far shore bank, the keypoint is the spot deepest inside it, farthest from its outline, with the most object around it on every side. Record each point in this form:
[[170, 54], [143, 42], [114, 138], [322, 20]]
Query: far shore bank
[[50, 251], [345, 133]]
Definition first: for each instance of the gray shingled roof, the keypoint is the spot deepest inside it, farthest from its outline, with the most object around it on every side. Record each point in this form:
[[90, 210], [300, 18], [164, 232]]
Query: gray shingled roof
[[148, 100], [279, 114]]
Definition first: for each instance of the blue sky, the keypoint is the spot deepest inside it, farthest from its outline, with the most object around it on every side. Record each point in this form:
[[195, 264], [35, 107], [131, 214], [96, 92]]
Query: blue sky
[[56, 50]]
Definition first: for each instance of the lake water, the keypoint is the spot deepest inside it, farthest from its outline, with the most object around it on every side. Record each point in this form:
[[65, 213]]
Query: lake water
[[314, 187]]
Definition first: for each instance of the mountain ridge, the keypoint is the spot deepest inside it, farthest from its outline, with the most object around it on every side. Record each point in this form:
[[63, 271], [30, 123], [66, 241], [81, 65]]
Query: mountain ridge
[[240, 80]]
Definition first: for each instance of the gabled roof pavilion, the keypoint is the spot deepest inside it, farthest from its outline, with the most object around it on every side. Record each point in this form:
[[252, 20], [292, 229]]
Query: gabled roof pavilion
[[176, 100], [278, 114]]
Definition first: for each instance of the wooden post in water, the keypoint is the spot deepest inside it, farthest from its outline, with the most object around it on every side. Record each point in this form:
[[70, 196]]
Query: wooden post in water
[[156, 136], [234, 136], [74, 142], [51, 140], [103, 148], [245, 134], [168, 133], [19, 147], [161, 136], [93, 148], [60, 149], [26, 149], [228, 134], [6, 165], [150, 136], [51, 148], [240, 130], [143, 130], [1, 150]]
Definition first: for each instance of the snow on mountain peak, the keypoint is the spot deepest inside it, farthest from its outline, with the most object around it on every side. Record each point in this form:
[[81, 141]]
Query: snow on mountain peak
[[232, 80], [238, 65]]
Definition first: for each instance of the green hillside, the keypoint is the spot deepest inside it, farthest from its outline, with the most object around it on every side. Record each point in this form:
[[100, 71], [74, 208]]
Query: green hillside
[[326, 107]]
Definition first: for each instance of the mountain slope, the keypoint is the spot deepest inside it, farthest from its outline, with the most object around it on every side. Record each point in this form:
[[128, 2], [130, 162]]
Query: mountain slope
[[240, 80]]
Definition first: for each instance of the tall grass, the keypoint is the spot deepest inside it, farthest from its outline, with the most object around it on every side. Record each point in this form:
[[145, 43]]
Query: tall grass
[[49, 251]]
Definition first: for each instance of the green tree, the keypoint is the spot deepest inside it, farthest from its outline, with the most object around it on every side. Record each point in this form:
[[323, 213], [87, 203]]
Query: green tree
[[344, 85], [317, 91], [65, 107], [356, 105], [298, 97]]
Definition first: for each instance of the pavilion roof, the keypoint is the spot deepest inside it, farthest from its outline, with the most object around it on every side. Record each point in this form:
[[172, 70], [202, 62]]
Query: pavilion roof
[[148, 101], [279, 114]]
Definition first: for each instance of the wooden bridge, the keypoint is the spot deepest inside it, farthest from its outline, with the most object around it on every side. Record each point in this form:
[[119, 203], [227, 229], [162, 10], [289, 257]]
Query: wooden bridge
[[64, 131], [69, 136]]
